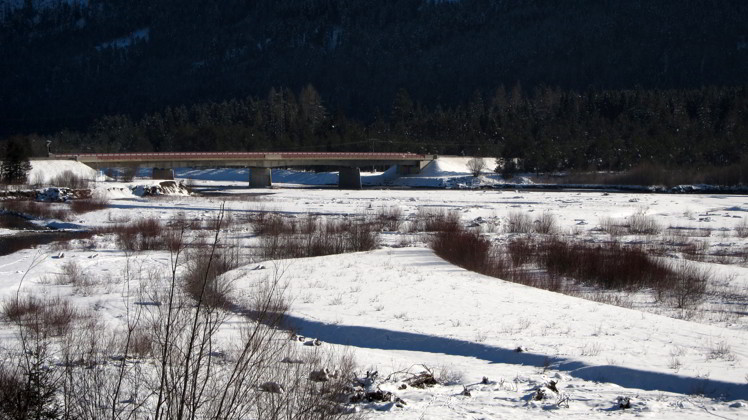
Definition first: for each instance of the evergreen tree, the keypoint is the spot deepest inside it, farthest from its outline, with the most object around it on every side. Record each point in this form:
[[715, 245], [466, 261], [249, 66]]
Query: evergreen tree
[[15, 165]]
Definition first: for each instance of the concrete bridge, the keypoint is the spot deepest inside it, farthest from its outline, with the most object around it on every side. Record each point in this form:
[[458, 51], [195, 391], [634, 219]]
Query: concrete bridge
[[259, 163]]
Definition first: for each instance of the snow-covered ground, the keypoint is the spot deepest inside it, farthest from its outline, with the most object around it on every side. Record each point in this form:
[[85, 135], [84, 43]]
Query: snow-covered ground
[[401, 306]]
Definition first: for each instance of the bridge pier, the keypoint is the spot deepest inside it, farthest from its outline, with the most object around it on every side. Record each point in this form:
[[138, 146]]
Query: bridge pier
[[161, 173], [349, 178], [411, 169], [260, 177]]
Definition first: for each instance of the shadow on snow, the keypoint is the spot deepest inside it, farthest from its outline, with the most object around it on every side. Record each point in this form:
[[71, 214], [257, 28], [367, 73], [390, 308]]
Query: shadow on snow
[[378, 338]]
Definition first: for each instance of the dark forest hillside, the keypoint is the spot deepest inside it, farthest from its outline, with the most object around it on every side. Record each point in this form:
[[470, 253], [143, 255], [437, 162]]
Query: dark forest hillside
[[588, 83], [63, 66]]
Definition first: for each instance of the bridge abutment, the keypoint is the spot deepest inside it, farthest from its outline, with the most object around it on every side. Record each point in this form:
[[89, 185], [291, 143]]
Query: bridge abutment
[[411, 169], [349, 178], [162, 173], [260, 177]]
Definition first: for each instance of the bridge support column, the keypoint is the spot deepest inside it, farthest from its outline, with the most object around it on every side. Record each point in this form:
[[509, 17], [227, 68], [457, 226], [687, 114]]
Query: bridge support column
[[161, 173], [260, 177], [411, 169], [349, 178]]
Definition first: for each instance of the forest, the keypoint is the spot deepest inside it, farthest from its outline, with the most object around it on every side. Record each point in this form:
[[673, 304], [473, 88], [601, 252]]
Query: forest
[[584, 85]]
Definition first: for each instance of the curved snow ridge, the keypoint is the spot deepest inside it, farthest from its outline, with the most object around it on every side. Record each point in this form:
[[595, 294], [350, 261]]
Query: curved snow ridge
[[385, 339]]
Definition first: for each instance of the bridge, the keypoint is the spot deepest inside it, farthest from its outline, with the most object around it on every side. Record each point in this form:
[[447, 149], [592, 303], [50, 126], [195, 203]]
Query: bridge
[[259, 163]]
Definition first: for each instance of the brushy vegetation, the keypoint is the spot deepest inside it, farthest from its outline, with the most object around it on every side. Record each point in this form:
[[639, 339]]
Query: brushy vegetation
[[68, 179], [556, 264], [88, 205], [643, 224], [311, 236], [38, 210], [165, 360]]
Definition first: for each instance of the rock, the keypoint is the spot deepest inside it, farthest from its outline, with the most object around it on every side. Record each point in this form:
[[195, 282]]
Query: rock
[[321, 375], [272, 387]]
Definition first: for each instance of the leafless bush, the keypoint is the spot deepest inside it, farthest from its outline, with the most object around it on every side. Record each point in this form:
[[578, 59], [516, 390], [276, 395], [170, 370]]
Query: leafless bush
[[203, 280], [612, 227], [475, 166], [720, 350], [518, 222], [38, 181], [434, 220], [128, 173], [642, 224], [389, 218], [195, 380], [688, 284], [545, 224], [68, 179], [465, 248], [146, 234], [88, 205], [610, 266], [274, 224], [27, 390], [12, 221], [741, 229], [556, 264], [36, 209], [43, 316], [309, 237], [73, 274], [521, 251]]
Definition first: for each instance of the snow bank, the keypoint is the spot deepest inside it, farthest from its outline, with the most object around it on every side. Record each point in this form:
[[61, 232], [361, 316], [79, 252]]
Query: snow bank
[[43, 171], [453, 166]]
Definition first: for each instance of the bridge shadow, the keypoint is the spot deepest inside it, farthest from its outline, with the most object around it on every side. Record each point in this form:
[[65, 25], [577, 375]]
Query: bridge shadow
[[384, 339]]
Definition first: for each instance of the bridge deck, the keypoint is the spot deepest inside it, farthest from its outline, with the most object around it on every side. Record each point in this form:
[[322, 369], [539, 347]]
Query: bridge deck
[[245, 159]]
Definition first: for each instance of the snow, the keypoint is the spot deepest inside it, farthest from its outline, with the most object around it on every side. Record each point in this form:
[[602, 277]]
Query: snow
[[401, 306], [44, 171]]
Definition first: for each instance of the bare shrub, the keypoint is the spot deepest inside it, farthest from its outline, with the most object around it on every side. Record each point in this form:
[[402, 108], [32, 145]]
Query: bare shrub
[[128, 173], [68, 179], [688, 284], [311, 237], [88, 205], [435, 220], [42, 316], [475, 166], [720, 350], [362, 236], [610, 266], [545, 224], [518, 222], [17, 309], [642, 224], [272, 224], [27, 391], [203, 280], [520, 251], [37, 210], [38, 180], [465, 248], [612, 227], [741, 229], [146, 234], [389, 218], [73, 274], [12, 221]]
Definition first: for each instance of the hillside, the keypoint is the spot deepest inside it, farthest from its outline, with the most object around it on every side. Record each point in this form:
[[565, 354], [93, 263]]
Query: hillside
[[65, 65]]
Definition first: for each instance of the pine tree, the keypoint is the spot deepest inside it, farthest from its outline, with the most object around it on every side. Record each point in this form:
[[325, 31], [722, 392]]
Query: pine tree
[[15, 165]]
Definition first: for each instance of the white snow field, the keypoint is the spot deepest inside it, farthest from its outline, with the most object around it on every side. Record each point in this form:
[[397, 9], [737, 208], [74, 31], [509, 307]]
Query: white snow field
[[401, 307]]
